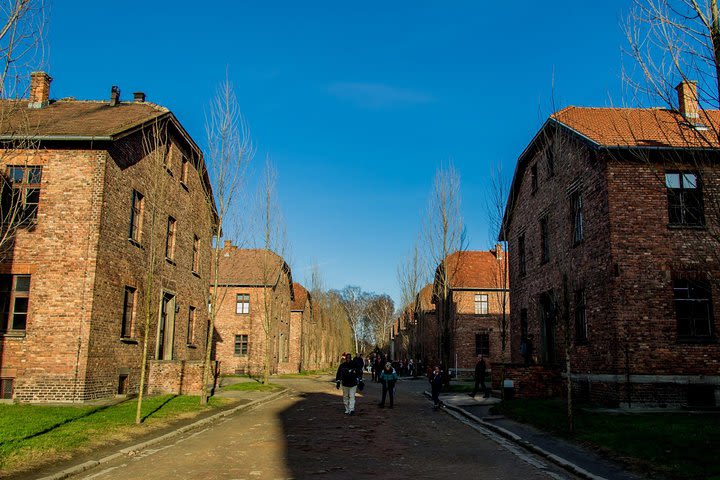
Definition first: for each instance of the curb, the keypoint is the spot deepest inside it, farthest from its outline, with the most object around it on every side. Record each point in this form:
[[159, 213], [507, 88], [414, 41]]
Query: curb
[[559, 461], [74, 470]]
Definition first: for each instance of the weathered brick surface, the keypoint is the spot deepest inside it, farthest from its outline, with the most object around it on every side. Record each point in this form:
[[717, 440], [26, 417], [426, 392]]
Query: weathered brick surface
[[182, 377], [81, 260], [625, 264], [271, 303]]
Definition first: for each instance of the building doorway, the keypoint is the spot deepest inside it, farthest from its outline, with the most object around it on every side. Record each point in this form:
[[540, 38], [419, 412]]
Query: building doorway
[[166, 327]]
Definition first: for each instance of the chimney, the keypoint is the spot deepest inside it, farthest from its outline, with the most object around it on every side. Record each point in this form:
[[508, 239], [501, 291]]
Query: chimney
[[498, 251], [39, 90], [688, 99], [228, 244], [139, 96], [114, 95]]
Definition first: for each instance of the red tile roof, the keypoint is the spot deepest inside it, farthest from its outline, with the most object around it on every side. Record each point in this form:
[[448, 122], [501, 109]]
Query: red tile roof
[[75, 118], [426, 296], [301, 296], [249, 267], [475, 269], [641, 127]]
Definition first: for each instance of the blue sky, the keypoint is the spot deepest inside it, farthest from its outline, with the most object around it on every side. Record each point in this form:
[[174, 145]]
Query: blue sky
[[356, 103]]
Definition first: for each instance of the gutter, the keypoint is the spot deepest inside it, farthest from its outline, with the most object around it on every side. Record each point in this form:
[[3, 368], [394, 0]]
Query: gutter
[[70, 138]]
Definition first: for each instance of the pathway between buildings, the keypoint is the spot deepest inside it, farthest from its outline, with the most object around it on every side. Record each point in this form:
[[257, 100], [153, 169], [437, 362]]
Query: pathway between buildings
[[307, 435]]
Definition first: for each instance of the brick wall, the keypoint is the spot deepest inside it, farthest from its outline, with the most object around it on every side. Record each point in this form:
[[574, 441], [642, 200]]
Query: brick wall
[[183, 377], [48, 360], [228, 324], [625, 264], [80, 260]]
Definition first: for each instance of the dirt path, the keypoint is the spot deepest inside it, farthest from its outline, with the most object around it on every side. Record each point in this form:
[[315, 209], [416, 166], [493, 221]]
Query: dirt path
[[307, 435]]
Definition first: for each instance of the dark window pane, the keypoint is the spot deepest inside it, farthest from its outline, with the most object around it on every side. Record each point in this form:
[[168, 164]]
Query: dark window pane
[[22, 283], [21, 305], [16, 174], [34, 175], [19, 321]]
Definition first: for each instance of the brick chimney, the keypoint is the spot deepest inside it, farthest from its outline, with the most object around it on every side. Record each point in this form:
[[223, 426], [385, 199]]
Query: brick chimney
[[139, 96], [228, 244], [39, 90], [498, 251], [114, 95], [688, 104]]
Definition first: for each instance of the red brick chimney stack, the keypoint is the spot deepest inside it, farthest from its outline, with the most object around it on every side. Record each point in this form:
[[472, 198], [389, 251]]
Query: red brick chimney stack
[[688, 99], [39, 90]]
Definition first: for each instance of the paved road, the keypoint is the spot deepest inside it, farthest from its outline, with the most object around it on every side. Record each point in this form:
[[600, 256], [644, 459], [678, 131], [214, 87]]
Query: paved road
[[307, 435]]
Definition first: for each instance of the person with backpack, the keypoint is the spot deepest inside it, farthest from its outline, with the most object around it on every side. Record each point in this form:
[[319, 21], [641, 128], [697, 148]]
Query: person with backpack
[[388, 378], [348, 378]]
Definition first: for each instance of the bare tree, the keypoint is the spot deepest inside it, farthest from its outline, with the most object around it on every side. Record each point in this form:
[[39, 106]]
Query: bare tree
[[381, 314], [444, 235], [496, 202], [229, 150], [354, 301], [273, 267], [150, 209], [410, 275], [22, 30], [670, 41]]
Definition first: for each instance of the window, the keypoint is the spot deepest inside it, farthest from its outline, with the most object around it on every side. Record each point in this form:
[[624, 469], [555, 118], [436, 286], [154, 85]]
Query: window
[[136, 216], [196, 254], [184, 170], [544, 240], [576, 204], [481, 304], [22, 205], [191, 326], [534, 178], [128, 315], [580, 318], [685, 206], [6, 388], [482, 344], [14, 299], [241, 344], [521, 254], [170, 239], [693, 308], [242, 303]]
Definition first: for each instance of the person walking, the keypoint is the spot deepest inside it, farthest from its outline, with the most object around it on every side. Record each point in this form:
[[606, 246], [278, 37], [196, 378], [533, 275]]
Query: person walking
[[348, 378], [436, 382], [388, 378], [480, 369]]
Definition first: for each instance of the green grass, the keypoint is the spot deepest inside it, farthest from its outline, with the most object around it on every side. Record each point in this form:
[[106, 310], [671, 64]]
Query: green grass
[[306, 373], [457, 386], [683, 445], [252, 387], [34, 434]]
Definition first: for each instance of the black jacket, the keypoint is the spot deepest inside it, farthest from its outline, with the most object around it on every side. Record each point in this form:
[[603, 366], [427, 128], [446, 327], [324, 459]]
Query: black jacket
[[347, 375], [480, 368]]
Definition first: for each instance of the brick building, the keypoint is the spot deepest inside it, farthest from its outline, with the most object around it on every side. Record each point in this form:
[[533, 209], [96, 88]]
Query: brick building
[[255, 299], [105, 189], [415, 332], [612, 215], [477, 290]]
